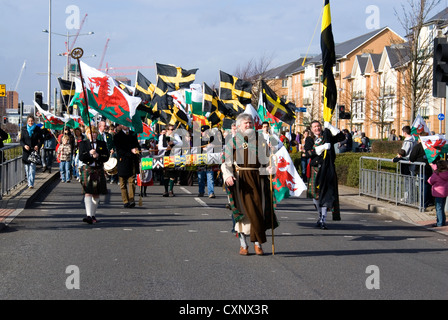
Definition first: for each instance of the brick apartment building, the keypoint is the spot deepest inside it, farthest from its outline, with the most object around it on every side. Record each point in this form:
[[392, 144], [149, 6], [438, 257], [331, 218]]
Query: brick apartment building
[[370, 74]]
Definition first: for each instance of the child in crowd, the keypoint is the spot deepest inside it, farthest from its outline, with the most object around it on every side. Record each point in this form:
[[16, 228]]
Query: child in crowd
[[64, 156], [439, 183]]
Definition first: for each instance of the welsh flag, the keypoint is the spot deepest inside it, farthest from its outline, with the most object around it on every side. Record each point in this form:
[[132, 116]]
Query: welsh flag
[[107, 99], [147, 133], [257, 120], [419, 126], [54, 122], [434, 146], [264, 115], [287, 182], [77, 102]]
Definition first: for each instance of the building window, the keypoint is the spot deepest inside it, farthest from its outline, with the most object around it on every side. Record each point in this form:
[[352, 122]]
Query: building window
[[284, 83]]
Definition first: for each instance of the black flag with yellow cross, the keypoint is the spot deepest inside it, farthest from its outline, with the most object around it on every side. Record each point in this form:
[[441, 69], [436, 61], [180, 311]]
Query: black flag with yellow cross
[[279, 108]]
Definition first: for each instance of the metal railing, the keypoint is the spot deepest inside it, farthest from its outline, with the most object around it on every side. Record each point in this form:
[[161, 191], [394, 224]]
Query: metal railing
[[387, 182], [12, 172]]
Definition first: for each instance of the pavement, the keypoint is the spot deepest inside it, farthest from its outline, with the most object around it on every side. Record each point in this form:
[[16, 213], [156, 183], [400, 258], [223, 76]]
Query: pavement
[[21, 198]]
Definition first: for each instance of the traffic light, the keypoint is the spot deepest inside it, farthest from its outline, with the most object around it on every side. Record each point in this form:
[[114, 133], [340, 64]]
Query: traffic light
[[5, 120], [38, 97], [440, 68], [342, 113]]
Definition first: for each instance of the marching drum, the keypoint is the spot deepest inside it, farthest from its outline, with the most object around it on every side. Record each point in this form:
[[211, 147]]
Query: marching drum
[[111, 166]]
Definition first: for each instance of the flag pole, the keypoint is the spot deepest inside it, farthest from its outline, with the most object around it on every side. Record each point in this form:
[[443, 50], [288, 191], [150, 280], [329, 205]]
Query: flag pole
[[77, 54], [271, 200]]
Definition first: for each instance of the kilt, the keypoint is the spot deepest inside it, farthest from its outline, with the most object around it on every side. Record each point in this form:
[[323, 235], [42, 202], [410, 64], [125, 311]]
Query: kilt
[[312, 191], [93, 180]]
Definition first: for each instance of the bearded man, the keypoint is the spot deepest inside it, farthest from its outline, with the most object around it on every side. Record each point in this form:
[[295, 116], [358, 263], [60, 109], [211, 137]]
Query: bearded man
[[248, 183]]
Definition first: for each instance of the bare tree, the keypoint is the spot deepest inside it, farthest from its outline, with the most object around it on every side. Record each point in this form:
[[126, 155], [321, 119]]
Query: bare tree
[[313, 110], [382, 98], [254, 70], [418, 76]]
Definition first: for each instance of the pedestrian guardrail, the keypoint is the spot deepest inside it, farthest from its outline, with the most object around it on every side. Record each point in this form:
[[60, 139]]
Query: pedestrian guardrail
[[12, 172], [383, 179]]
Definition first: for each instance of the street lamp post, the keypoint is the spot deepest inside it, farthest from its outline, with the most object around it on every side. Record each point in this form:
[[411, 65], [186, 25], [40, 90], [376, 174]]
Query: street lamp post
[[49, 58], [67, 54]]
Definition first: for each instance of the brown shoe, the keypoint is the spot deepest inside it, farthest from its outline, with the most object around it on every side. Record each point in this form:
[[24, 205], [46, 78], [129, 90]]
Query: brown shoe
[[244, 251], [258, 250]]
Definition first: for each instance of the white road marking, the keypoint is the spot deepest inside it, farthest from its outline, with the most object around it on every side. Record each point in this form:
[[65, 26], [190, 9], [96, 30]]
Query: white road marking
[[185, 190]]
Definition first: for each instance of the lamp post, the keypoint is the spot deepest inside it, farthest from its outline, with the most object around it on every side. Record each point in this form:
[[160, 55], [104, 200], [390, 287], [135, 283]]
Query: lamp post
[[49, 58], [67, 54]]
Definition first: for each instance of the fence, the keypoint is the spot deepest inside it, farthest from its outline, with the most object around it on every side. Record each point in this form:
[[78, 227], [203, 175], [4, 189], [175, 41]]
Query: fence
[[12, 172], [384, 179]]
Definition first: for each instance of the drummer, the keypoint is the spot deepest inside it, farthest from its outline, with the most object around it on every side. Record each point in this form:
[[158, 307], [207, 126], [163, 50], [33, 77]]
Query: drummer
[[93, 153], [104, 135]]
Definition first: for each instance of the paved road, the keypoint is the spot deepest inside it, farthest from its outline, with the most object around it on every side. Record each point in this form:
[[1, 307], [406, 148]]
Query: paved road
[[182, 248]]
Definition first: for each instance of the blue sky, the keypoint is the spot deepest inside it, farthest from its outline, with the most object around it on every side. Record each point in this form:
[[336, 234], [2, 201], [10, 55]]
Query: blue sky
[[211, 35]]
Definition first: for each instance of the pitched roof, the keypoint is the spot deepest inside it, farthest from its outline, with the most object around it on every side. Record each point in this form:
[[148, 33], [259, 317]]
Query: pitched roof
[[398, 55], [284, 70], [345, 48], [440, 18], [376, 58]]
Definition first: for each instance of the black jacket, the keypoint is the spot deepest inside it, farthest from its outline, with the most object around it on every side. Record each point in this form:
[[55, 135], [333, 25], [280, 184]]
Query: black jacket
[[26, 140], [101, 148], [3, 136], [128, 163]]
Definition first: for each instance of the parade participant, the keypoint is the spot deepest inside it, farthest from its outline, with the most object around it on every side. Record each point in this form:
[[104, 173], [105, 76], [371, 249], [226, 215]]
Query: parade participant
[[248, 182], [206, 174], [128, 155], [303, 155], [30, 140], [105, 136], [49, 148], [79, 136], [93, 154], [167, 143], [322, 182]]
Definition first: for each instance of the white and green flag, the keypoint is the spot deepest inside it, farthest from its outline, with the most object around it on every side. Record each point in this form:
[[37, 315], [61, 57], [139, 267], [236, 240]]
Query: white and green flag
[[287, 182]]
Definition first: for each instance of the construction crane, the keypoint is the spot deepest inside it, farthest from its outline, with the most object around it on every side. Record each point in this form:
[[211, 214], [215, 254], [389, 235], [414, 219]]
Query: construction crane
[[69, 49], [104, 53], [20, 76], [77, 34]]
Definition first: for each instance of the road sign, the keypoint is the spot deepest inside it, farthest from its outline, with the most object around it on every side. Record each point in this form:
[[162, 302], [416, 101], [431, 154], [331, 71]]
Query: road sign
[[2, 90], [441, 117], [301, 109]]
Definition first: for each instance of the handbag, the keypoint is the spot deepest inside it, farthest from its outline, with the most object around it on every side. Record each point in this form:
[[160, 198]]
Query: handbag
[[35, 158]]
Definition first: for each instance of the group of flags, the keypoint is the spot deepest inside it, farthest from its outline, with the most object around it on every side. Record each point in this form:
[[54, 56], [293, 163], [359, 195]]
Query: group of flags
[[176, 100]]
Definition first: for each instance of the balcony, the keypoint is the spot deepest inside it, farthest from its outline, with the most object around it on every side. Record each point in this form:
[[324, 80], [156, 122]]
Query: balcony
[[358, 95], [307, 82], [389, 91], [359, 117], [306, 101]]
